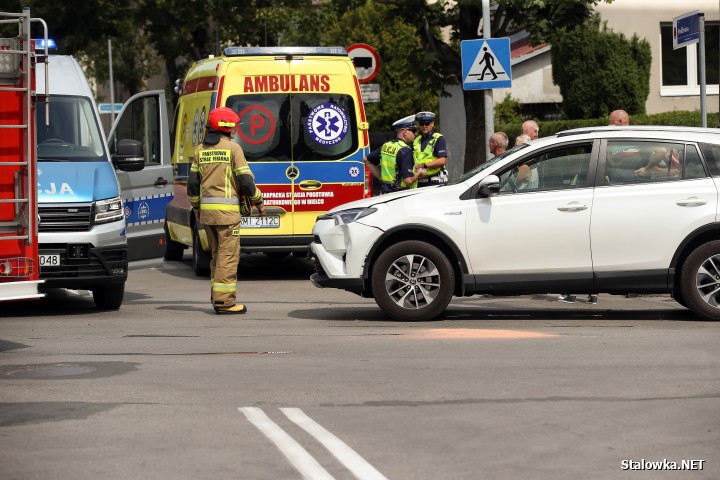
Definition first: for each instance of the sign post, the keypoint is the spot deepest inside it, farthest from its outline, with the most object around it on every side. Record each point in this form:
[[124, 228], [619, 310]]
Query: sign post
[[688, 29]]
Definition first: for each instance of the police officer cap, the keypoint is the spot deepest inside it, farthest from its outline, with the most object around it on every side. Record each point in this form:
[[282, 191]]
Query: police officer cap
[[405, 122], [425, 116]]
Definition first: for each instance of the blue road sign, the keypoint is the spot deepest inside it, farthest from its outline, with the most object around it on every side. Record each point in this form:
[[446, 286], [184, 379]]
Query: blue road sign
[[109, 107], [686, 29], [486, 63]]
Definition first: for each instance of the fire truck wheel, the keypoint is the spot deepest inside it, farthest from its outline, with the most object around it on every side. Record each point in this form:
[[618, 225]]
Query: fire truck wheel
[[109, 297]]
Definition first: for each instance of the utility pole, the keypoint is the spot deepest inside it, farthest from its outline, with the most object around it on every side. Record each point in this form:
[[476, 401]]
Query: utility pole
[[488, 94]]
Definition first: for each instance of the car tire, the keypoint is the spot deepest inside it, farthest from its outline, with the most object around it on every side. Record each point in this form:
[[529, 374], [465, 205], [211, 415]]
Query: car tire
[[173, 250], [109, 297], [200, 258], [700, 281], [422, 296]]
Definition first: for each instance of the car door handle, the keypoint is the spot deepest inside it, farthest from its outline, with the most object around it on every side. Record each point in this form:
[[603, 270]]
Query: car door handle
[[691, 202], [310, 185], [572, 207], [160, 182]]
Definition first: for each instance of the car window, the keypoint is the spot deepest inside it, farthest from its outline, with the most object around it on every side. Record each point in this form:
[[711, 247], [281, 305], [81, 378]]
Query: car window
[[712, 157], [555, 169], [141, 124], [631, 162]]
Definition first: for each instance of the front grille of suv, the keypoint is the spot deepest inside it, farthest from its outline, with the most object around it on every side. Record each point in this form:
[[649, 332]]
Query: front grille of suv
[[65, 217]]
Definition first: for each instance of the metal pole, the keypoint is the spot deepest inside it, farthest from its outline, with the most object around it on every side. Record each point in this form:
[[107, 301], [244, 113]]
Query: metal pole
[[112, 88], [703, 99], [488, 98]]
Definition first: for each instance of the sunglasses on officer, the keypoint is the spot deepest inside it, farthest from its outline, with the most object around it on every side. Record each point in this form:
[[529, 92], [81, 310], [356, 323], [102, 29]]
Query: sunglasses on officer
[[424, 123]]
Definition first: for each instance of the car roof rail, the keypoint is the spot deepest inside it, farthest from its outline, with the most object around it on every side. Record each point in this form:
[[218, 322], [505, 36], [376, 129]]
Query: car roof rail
[[639, 128]]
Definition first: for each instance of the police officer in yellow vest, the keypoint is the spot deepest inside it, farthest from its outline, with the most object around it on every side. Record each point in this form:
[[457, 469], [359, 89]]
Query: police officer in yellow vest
[[219, 178], [393, 162], [430, 151]]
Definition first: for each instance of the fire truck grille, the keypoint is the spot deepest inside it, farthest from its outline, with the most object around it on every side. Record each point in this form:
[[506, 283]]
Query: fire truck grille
[[65, 218]]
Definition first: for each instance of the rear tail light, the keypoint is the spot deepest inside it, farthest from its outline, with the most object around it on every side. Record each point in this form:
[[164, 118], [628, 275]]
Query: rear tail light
[[17, 267], [368, 184]]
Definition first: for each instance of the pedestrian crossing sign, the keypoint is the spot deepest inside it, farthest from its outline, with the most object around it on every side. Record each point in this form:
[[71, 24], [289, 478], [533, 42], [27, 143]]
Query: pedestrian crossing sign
[[486, 63]]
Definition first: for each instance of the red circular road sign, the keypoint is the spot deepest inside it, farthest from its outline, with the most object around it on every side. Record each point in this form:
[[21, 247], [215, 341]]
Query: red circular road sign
[[366, 60]]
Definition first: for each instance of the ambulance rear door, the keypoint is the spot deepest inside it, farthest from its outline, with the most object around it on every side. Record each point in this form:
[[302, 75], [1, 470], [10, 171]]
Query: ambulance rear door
[[326, 145]]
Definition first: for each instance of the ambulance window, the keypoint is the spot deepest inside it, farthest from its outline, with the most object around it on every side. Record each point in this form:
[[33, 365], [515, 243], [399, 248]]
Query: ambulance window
[[300, 126], [264, 130], [324, 126]]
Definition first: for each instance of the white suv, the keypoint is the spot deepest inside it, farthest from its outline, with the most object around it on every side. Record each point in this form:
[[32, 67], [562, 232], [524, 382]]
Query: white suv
[[609, 209]]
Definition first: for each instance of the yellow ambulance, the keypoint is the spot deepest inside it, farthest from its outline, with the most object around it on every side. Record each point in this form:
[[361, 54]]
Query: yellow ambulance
[[304, 133]]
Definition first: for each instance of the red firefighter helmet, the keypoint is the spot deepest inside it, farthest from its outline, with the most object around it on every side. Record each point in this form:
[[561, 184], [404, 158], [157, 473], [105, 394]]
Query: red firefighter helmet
[[223, 119]]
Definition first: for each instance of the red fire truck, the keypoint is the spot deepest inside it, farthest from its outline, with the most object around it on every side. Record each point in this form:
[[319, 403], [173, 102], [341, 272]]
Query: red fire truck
[[19, 264]]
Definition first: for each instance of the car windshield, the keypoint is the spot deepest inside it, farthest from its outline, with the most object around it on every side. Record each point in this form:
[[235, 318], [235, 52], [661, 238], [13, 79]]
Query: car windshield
[[72, 133], [488, 164]]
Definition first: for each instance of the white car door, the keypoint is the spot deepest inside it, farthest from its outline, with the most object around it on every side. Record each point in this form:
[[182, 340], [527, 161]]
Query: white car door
[[537, 230], [147, 192], [657, 192]]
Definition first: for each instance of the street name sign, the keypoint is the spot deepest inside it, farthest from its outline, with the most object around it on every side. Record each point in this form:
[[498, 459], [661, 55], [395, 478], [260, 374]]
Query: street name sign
[[686, 29]]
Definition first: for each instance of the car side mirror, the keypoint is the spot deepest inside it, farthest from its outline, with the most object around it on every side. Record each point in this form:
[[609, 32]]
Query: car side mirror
[[489, 186], [130, 156]]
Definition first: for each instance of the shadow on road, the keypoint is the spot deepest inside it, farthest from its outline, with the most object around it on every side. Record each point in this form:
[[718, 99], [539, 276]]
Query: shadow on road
[[255, 266]]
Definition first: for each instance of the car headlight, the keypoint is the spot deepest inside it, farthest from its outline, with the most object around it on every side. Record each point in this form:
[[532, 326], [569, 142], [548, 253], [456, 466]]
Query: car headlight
[[344, 217], [110, 210]]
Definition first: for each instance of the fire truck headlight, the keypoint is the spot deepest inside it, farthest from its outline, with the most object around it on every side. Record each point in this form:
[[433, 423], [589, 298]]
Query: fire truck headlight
[[110, 210]]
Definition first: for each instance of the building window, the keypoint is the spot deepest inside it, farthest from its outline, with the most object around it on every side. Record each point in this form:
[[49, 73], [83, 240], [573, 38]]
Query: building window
[[681, 67]]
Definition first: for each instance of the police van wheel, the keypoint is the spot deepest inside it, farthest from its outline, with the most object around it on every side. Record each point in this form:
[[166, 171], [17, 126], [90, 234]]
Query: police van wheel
[[109, 297], [413, 281], [173, 250], [200, 258]]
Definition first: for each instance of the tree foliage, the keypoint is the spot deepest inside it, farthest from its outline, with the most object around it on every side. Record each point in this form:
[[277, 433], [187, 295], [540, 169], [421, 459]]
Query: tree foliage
[[599, 70], [406, 86]]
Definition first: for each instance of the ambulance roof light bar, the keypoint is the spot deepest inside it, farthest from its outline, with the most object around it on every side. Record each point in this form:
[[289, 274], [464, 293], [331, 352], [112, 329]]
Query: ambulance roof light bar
[[285, 51]]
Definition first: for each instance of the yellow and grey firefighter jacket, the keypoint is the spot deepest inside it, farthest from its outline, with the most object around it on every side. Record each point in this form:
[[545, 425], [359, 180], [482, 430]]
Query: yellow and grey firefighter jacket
[[219, 178]]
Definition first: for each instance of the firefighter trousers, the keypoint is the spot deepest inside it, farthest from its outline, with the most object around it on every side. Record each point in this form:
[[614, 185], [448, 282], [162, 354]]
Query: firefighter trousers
[[225, 246]]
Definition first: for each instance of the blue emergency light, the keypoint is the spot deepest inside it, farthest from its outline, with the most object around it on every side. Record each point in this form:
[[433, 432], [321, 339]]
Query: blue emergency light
[[40, 44]]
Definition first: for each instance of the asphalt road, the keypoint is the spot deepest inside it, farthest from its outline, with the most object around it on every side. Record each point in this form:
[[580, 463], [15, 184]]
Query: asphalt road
[[319, 384]]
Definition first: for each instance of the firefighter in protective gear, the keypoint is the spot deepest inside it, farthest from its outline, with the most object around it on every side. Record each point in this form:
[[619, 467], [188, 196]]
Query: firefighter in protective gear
[[392, 163], [430, 151], [219, 180]]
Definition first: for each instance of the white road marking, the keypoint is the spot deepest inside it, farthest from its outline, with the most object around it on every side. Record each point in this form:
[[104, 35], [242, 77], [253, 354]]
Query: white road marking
[[308, 467], [349, 457]]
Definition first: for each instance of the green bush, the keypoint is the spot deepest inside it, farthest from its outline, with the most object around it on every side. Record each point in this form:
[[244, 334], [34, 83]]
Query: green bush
[[599, 70], [677, 118]]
